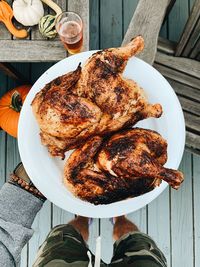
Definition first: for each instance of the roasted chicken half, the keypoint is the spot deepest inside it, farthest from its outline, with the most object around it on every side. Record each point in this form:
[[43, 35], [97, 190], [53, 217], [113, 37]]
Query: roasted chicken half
[[128, 164], [93, 100]]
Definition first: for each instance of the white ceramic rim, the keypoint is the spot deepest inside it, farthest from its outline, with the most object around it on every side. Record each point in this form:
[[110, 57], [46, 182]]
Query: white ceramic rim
[[84, 208]]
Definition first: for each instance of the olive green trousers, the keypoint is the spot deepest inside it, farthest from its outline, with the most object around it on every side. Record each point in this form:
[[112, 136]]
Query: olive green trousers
[[65, 247]]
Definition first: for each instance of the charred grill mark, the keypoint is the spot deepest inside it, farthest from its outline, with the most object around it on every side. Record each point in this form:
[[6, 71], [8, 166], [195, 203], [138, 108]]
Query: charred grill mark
[[75, 173], [135, 188], [156, 147], [115, 62], [119, 92], [106, 70], [57, 81], [135, 118], [119, 146], [65, 81], [144, 159]]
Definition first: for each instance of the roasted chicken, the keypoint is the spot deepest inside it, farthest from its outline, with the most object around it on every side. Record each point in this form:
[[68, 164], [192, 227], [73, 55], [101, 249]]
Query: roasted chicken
[[93, 100], [127, 164]]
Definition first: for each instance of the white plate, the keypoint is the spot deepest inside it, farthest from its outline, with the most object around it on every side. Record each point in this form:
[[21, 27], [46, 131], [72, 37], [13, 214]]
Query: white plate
[[46, 172]]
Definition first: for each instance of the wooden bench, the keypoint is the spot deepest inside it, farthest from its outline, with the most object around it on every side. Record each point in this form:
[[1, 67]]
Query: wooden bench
[[178, 62]]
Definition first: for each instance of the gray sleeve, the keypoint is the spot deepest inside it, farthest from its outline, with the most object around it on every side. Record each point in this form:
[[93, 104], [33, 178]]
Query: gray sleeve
[[18, 209]]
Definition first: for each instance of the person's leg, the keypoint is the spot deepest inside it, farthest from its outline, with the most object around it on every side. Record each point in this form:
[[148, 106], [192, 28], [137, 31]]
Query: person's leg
[[65, 245], [133, 248], [128, 227], [81, 225]]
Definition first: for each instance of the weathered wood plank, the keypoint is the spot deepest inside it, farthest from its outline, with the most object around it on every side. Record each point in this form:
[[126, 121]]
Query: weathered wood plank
[[3, 87], [185, 90], [81, 7], [193, 38], [196, 190], [185, 65], [195, 50], [181, 218], [12, 155], [163, 31], [106, 229], [192, 122], [193, 142], [94, 230], [25, 50], [184, 40], [191, 3], [94, 24], [24, 259], [41, 227], [111, 25], [2, 157], [190, 106], [60, 216], [169, 8], [139, 217], [129, 7], [166, 46], [178, 76], [177, 19], [159, 223], [153, 13], [38, 69], [9, 70], [62, 4]]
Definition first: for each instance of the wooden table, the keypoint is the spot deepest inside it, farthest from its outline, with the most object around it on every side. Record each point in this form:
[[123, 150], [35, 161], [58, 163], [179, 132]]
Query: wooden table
[[36, 48]]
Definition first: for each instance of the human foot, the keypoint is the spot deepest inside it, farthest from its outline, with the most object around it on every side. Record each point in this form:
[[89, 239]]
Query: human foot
[[81, 224], [123, 226]]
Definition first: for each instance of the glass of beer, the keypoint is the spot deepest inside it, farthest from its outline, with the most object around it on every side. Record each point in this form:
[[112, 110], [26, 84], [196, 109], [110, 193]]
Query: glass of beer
[[69, 26]]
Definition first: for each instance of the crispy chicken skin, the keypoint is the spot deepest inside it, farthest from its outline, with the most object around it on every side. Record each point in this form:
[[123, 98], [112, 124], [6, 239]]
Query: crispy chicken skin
[[86, 181], [93, 100], [127, 164], [138, 153]]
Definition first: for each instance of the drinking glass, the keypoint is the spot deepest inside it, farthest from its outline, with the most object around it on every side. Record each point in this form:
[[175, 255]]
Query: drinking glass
[[69, 26]]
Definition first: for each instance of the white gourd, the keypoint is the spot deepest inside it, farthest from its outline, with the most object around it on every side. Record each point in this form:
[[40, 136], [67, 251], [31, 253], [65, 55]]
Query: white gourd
[[28, 12]]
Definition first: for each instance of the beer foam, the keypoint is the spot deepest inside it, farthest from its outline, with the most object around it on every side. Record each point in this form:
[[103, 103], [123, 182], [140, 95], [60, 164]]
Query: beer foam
[[69, 29]]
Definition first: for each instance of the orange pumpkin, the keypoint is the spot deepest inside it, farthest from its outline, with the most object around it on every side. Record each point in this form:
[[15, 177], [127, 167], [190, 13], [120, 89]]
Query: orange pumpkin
[[10, 106]]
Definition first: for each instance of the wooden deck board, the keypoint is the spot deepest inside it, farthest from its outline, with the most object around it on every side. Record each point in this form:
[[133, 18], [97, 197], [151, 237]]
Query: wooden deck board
[[159, 223], [41, 227], [169, 218], [196, 211], [182, 218], [177, 19]]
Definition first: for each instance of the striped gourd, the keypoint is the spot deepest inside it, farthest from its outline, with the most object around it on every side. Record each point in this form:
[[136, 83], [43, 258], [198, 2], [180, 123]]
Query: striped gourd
[[47, 26]]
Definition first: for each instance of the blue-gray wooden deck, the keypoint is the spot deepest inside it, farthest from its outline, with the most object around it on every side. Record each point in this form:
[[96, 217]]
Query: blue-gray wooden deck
[[173, 219]]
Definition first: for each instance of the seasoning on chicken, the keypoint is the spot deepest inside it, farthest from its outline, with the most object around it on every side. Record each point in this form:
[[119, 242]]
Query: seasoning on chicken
[[128, 164], [93, 100]]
